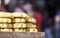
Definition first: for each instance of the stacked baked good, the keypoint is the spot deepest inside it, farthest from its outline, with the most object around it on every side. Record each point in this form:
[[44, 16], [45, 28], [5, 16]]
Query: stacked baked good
[[31, 25], [17, 22], [5, 22]]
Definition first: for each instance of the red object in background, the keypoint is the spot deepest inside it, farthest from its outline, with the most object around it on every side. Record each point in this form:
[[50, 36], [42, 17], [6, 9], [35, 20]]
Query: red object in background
[[38, 18]]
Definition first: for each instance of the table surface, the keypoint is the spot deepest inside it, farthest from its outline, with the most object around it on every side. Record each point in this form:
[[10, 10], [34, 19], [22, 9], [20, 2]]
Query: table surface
[[22, 34]]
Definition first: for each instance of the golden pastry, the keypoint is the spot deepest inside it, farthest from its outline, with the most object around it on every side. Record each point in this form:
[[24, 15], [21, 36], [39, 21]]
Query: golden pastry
[[31, 20], [33, 26], [17, 20], [30, 25], [6, 14], [2, 14], [5, 20], [16, 14], [10, 30], [16, 30], [22, 20], [9, 26], [4, 26], [22, 30], [5, 30], [17, 25], [23, 25], [9, 20], [33, 30], [1, 19], [1, 25]]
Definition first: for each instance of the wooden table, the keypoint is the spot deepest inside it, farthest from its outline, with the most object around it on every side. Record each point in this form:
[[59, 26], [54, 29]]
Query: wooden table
[[22, 35]]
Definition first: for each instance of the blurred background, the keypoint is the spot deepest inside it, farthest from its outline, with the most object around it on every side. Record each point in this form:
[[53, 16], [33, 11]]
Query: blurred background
[[46, 12]]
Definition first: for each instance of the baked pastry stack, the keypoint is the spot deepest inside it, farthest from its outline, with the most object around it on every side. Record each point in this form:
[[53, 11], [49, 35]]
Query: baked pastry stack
[[24, 23], [17, 22], [31, 25], [5, 22]]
